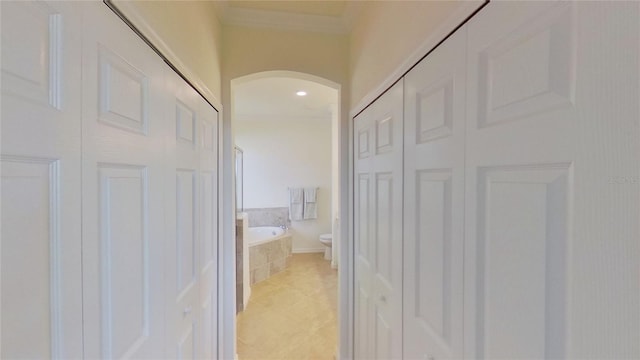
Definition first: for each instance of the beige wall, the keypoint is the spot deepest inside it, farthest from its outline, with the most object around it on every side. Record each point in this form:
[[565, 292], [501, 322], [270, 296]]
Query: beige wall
[[190, 29], [248, 51], [387, 33]]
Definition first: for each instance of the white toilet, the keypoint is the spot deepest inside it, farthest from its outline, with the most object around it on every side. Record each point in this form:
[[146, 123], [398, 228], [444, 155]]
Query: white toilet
[[326, 239]]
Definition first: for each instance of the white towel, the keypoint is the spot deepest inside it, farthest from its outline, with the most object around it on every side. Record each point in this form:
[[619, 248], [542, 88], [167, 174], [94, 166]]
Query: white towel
[[296, 203], [310, 206]]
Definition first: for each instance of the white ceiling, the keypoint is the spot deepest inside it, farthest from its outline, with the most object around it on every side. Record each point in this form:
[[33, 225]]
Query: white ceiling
[[276, 97]]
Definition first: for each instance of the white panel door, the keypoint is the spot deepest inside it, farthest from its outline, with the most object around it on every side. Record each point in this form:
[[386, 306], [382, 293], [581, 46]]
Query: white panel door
[[40, 265], [434, 101], [208, 262], [183, 227], [123, 198], [378, 228], [551, 215]]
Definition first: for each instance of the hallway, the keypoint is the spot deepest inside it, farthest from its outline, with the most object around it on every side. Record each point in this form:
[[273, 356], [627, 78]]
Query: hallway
[[293, 314]]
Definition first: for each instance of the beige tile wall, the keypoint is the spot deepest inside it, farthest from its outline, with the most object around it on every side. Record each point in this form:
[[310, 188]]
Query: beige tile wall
[[269, 258]]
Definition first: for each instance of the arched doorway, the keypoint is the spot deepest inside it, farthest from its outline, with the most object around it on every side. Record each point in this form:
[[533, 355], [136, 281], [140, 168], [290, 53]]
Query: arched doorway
[[288, 141]]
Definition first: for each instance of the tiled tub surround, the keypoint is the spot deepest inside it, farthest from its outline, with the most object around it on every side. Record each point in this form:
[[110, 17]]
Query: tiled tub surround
[[268, 217], [269, 258]]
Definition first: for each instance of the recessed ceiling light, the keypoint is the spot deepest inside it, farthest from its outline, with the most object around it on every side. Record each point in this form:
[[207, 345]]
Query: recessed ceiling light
[[301, 93]]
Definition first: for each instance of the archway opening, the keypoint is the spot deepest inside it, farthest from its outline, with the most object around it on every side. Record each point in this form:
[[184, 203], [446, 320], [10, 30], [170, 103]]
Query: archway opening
[[285, 128]]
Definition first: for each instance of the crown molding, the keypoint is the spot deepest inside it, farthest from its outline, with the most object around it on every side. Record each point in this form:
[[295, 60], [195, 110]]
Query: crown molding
[[281, 20]]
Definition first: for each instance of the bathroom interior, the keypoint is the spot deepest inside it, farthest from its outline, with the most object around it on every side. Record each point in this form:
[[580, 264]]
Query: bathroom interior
[[286, 135]]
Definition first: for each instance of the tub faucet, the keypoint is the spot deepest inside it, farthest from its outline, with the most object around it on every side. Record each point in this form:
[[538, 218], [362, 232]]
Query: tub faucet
[[284, 227]]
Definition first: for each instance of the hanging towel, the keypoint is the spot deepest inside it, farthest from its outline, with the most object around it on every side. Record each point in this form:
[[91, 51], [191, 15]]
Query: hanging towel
[[310, 206], [296, 203]]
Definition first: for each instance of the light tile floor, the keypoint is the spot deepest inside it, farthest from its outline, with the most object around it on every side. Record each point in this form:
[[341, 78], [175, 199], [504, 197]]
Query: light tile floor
[[293, 314]]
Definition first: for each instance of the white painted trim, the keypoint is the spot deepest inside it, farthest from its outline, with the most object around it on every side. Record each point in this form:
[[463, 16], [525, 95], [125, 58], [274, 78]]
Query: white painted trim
[[307, 251], [347, 247], [133, 15], [227, 273], [466, 9], [289, 21], [283, 74]]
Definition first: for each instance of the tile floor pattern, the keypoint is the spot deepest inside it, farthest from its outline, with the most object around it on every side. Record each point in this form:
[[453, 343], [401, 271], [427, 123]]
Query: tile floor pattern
[[292, 315]]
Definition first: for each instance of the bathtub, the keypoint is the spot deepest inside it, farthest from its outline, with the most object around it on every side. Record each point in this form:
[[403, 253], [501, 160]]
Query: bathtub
[[262, 234], [269, 251]]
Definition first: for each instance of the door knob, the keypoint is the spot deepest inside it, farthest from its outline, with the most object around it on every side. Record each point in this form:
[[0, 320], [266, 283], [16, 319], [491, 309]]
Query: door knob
[[383, 299], [186, 311]]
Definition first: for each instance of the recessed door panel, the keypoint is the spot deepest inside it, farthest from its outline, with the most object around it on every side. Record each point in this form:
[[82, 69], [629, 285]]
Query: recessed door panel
[[124, 93], [186, 228], [209, 220], [523, 260], [363, 211], [32, 33], [30, 212], [124, 259], [384, 226], [433, 255]]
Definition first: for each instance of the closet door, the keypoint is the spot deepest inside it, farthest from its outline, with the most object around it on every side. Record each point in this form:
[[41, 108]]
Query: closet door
[[208, 262], [552, 208], [122, 186], [434, 203], [40, 265], [378, 228], [183, 220]]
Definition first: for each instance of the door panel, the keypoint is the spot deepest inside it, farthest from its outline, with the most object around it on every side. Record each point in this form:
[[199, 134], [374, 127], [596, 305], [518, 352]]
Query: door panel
[[434, 203], [122, 191], [40, 263], [208, 230], [124, 243], [184, 197], [549, 113], [192, 223], [523, 237], [186, 213], [378, 212]]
